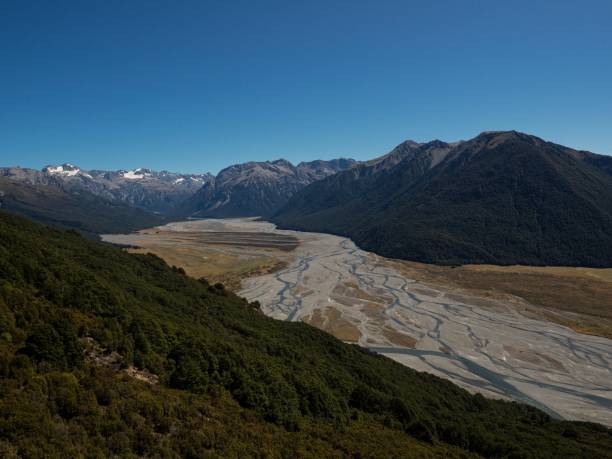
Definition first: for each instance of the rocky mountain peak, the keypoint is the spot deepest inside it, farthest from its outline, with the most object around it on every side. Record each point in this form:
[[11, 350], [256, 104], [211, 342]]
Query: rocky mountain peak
[[282, 163], [257, 188]]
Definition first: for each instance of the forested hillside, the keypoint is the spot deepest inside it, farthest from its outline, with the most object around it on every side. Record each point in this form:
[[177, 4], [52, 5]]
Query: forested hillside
[[81, 322], [500, 198], [52, 204]]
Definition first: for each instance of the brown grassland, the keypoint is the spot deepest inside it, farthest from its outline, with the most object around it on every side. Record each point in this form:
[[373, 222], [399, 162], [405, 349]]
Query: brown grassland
[[217, 256]]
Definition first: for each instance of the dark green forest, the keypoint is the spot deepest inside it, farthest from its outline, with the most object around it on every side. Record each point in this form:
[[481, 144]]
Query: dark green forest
[[501, 198], [73, 209], [232, 382]]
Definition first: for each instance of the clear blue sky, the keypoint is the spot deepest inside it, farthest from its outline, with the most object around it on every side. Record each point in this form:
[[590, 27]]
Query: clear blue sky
[[197, 85]]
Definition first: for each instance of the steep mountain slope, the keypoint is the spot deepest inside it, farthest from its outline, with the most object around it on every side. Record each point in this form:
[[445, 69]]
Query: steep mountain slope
[[81, 323], [352, 190], [50, 203], [257, 189], [150, 190], [502, 198]]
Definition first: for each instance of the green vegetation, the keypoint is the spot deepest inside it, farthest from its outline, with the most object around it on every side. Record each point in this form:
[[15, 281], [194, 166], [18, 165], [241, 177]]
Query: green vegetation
[[502, 198], [77, 209], [232, 381]]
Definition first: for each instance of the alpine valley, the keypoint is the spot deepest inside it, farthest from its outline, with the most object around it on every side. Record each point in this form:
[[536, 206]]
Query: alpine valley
[[441, 300]]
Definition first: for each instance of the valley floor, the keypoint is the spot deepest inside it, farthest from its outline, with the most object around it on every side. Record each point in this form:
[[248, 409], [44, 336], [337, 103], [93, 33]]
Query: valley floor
[[494, 343]]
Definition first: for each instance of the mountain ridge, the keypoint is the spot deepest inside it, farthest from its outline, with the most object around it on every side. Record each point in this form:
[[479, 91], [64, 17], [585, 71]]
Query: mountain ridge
[[256, 188], [503, 197], [142, 188], [51, 203]]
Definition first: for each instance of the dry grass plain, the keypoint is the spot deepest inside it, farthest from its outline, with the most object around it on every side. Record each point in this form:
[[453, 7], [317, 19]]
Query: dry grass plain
[[218, 256]]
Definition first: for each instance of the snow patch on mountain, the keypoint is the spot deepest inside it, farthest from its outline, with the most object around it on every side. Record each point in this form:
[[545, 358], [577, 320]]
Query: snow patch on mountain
[[67, 170], [136, 174]]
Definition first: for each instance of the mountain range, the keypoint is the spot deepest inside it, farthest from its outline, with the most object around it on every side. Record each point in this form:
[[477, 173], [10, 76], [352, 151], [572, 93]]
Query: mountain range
[[257, 188], [500, 198], [97, 201], [105, 353], [143, 188]]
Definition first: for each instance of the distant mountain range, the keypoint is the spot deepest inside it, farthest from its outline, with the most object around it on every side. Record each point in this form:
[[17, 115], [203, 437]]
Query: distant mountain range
[[97, 201], [502, 198], [52, 204], [144, 188], [150, 190], [257, 188]]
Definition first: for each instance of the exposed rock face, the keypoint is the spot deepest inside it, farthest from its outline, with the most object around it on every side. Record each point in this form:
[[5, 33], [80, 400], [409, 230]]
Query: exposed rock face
[[257, 188]]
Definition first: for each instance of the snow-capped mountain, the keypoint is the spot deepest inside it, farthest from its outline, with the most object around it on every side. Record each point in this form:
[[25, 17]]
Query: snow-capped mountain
[[144, 188], [253, 188]]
